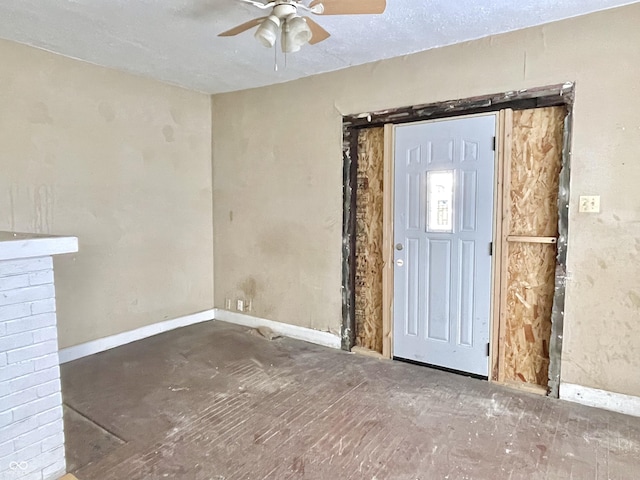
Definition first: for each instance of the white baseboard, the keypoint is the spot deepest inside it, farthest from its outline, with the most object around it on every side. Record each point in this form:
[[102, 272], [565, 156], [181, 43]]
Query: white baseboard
[[107, 343], [593, 397], [300, 333], [100, 345]]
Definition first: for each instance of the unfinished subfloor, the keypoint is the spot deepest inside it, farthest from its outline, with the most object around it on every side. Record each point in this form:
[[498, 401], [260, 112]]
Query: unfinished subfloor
[[214, 402]]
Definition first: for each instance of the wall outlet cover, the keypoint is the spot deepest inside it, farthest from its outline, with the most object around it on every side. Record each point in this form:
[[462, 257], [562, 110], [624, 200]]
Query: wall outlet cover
[[589, 204]]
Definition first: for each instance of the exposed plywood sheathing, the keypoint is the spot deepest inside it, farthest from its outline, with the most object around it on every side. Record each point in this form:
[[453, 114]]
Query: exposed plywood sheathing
[[529, 299], [536, 154], [529, 231], [369, 227]]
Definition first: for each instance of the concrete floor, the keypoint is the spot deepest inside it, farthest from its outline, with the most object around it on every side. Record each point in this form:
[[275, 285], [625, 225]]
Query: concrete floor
[[214, 402]]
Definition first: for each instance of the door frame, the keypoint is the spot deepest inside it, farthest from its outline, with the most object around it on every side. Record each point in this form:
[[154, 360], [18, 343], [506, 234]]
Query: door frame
[[553, 95]]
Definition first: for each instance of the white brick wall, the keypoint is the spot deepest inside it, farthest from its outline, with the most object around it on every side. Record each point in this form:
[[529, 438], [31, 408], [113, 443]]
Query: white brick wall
[[31, 430]]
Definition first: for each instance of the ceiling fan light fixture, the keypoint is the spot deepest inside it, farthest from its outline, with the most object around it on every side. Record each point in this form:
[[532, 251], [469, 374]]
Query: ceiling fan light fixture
[[267, 32], [295, 33]]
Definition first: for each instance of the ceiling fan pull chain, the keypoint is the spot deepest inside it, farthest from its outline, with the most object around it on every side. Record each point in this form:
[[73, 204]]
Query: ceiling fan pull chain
[[275, 59], [283, 40]]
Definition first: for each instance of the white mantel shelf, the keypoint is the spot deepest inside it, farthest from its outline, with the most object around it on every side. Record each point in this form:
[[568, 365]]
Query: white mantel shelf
[[28, 245]]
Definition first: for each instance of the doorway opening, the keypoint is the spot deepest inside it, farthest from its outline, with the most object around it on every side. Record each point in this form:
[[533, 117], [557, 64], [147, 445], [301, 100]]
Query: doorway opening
[[528, 231]]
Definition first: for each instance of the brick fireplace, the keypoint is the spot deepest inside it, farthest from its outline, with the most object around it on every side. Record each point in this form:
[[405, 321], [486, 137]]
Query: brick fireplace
[[31, 428]]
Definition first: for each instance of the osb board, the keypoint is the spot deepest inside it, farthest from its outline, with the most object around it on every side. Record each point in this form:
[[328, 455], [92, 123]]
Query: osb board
[[369, 229], [536, 159], [531, 274], [531, 210]]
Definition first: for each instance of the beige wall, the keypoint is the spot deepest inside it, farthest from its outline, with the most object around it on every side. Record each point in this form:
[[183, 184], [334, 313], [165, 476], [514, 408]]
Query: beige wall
[[123, 163], [278, 178]]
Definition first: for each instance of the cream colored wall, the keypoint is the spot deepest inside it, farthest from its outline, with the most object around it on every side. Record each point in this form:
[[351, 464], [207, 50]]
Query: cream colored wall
[[278, 178], [122, 162]]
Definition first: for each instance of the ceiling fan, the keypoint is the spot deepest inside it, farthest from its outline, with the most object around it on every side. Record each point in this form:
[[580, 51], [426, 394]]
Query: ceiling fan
[[297, 30]]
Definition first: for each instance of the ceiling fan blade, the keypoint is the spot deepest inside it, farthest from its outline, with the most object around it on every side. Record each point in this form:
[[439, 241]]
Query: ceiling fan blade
[[318, 34], [242, 28], [350, 7], [261, 5]]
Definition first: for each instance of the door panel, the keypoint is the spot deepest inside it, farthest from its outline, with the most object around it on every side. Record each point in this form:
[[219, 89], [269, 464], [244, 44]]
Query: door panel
[[413, 281], [414, 200], [444, 176], [438, 306], [466, 293]]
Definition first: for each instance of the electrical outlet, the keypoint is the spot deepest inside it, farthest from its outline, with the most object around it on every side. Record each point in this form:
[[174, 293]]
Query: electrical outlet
[[249, 306], [227, 303], [589, 204], [240, 305]]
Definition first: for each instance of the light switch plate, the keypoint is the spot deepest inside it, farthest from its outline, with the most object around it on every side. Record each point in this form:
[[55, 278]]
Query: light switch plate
[[589, 204]]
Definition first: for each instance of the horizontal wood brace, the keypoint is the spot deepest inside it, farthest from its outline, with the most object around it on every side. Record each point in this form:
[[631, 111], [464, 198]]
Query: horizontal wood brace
[[525, 239]]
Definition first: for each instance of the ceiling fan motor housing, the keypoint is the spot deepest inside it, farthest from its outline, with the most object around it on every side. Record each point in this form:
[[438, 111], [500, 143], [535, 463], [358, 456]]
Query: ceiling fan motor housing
[[283, 10]]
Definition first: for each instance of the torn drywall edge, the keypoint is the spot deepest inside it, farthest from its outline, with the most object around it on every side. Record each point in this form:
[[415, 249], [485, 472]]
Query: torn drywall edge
[[557, 313], [325, 339], [593, 397], [350, 174], [107, 343]]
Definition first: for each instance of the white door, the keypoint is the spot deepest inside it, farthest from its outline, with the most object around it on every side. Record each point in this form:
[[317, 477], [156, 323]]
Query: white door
[[443, 228]]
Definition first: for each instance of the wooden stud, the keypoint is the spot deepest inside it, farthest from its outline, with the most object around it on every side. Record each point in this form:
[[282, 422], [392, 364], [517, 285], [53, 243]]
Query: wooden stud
[[506, 141], [367, 352], [497, 249], [526, 387], [387, 244]]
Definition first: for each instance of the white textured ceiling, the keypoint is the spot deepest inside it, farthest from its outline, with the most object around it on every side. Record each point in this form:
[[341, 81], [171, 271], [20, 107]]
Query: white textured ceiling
[[176, 40]]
